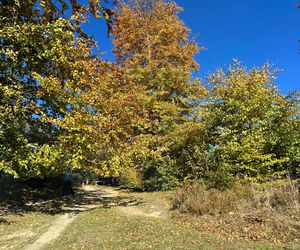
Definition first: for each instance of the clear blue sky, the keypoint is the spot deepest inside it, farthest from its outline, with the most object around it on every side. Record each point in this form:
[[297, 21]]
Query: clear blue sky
[[254, 31]]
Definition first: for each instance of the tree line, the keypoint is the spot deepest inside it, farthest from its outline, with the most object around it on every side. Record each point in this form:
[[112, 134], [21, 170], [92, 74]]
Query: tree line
[[142, 115]]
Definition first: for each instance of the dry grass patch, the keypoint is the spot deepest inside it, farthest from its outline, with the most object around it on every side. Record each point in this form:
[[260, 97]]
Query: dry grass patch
[[259, 212]]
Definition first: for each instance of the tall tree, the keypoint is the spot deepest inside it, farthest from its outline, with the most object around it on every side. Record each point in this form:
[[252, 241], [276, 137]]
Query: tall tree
[[152, 46], [243, 116], [37, 38]]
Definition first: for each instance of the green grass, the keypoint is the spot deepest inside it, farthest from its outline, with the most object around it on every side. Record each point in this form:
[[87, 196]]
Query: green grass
[[18, 230], [114, 228], [109, 229]]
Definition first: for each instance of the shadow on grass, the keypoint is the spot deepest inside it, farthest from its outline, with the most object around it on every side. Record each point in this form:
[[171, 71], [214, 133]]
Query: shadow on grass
[[17, 198], [4, 221]]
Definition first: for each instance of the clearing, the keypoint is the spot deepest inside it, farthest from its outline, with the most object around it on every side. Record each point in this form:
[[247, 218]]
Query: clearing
[[100, 217]]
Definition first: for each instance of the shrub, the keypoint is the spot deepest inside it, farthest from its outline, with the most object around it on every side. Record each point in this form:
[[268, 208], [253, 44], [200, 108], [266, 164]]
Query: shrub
[[219, 179], [160, 175], [161, 181], [268, 212], [131, 179], [279, 196], [197, 198]]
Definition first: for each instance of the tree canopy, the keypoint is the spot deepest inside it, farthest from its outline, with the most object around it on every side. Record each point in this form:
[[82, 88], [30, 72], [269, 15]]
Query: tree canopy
[[143, 113]]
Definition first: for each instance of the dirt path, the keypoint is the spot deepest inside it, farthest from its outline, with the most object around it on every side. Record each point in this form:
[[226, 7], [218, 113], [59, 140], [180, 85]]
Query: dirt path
[[53, 232], [154, 212], [64, 220], [93, 197]]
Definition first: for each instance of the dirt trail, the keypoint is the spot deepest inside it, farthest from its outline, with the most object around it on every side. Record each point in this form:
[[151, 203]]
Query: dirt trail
[[134, 211], [132, 208], [53, 232], [154, 212], [63, 221], [93, 197]]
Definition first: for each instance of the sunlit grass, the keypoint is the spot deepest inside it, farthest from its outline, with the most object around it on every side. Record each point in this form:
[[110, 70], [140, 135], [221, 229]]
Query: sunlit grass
[[18, 230]]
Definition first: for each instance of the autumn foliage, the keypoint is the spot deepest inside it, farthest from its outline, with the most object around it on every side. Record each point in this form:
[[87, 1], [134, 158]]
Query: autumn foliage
[[144, 113]]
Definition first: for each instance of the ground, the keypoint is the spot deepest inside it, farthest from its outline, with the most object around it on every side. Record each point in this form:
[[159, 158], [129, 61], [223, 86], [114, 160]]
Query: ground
[[109, 218]]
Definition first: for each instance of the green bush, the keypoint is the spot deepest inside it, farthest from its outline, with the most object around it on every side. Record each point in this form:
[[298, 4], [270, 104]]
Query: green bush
[[131, 179], [161, 181], [219, 180], [160, 175]]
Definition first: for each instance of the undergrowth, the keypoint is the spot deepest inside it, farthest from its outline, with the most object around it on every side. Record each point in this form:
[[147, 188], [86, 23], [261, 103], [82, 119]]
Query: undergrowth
[[255, 211]]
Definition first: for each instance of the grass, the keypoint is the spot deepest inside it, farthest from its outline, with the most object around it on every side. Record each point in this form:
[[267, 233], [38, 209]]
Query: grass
[[19, 230], [109, 228], [255, 212], [118, 226]]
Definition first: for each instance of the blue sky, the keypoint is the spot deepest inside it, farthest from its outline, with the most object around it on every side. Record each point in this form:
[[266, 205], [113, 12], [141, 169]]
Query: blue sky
[[254, 31]]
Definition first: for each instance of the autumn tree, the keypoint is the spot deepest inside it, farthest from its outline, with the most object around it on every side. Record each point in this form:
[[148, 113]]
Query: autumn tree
[[243, 120], [153, 47], [38, 41], [99, 123], [143, 113]]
